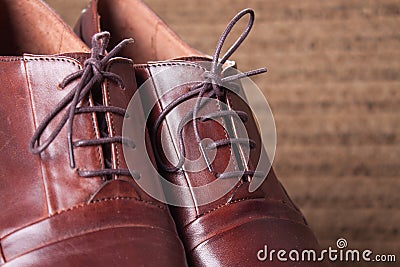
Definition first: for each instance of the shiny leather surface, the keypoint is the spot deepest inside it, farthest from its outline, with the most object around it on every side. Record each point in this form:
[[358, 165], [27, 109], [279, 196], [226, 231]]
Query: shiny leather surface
[[211, 233], [221, 233], [50, 216]]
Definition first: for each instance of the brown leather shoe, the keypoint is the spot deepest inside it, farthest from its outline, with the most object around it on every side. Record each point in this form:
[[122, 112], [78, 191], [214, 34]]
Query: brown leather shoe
[[75, 203], [234, 229]]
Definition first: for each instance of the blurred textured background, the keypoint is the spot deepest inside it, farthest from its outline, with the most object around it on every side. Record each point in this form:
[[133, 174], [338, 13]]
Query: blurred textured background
[[334, 88]]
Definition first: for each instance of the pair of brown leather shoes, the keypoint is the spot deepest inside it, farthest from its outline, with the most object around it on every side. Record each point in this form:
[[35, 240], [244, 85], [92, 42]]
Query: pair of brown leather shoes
[[70, 195]]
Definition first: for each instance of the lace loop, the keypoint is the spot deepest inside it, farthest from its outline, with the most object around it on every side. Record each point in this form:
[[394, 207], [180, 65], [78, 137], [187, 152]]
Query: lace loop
[[237, 43], [93, 73]]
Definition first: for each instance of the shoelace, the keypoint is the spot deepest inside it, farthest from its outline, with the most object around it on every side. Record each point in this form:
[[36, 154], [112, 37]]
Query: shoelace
[[92, 74], [211, 88]]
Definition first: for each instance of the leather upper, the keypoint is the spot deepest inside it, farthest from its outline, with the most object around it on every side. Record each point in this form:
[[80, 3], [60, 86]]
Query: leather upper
[[52, 216], [230, 230]]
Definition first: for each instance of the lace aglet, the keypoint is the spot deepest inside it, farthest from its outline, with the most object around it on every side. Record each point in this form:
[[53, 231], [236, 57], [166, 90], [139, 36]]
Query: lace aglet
[[263, 70], [71, 152]]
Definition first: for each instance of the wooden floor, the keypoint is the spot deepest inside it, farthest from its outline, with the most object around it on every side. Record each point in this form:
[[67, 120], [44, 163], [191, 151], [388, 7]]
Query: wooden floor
[[334, 88]]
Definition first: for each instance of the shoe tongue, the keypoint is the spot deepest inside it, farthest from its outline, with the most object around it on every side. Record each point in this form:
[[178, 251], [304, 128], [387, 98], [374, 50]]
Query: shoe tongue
[[194, 58], [110, 125], [89, 23]]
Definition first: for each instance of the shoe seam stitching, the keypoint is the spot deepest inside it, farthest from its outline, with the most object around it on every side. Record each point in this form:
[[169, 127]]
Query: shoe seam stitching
[[226, 204], [101, 200], [83, 205], [170, 64], [244, 199], [111, 122]]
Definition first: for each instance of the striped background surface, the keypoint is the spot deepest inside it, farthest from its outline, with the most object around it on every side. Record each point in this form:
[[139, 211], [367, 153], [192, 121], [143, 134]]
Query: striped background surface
[[334, 88]]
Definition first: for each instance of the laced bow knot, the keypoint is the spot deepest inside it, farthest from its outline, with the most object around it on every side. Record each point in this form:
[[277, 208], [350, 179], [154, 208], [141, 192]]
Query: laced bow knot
[[93, 72], [215, 79], [95, 64], [211, 87]]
